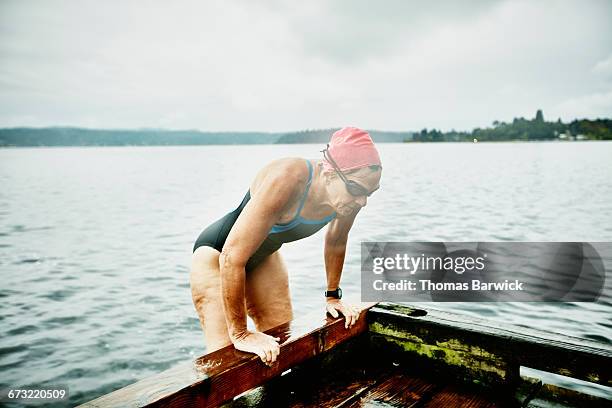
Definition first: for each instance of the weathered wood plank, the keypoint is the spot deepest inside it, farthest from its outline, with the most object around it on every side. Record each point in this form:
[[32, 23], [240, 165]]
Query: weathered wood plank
[[453, 396], [347, 384], [219, 376], [489, 350], [337, 397], [398, 390]]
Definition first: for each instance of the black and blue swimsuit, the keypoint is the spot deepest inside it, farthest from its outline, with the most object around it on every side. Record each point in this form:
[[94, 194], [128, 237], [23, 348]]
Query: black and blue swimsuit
[[215, 234]]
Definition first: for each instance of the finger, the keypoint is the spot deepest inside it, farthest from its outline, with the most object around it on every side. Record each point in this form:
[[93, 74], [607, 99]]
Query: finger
[[274, 349], [273, 356], [332, 312], [349, 318], [262, 356], [275, 353], [268, 355], [346, 312]]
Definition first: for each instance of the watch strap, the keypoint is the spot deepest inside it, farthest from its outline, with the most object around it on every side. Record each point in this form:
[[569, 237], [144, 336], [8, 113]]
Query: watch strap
[[337, 293]]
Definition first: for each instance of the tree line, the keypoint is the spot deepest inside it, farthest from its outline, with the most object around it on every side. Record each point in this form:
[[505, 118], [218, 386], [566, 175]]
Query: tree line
[[524, 129], [68, 136]]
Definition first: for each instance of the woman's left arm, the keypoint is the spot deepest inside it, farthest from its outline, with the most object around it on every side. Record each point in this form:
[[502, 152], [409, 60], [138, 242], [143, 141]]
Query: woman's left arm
[[335, 250]]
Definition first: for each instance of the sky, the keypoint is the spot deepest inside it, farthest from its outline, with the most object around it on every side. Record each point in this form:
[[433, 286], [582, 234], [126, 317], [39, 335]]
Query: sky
[[286, 65]]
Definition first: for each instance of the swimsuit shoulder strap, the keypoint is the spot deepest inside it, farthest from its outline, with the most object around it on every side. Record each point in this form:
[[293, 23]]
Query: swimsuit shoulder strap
[[303, 200]]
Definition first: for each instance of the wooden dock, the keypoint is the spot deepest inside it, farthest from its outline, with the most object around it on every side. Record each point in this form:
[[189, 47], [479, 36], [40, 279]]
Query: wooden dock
[[395, 356]]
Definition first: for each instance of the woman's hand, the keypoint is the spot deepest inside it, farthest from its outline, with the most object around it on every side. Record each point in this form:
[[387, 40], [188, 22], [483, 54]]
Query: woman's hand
[[351, 313], [266, 347]]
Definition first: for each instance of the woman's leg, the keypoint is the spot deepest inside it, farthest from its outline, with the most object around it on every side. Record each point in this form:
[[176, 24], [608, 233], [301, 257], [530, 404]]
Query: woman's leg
[[267, 293], [205, 282], [268, 301]]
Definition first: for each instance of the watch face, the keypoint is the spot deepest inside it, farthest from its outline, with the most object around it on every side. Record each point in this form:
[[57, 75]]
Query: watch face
[[339, 293]]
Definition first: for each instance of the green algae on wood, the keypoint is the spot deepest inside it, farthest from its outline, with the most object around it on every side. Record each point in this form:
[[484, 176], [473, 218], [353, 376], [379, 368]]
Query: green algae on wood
[[451, 352]]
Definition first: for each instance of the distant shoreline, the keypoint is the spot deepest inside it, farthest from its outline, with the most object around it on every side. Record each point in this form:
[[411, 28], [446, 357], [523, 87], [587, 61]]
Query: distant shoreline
[[7, 147], [75, 137], [519, 130], [314, 143]]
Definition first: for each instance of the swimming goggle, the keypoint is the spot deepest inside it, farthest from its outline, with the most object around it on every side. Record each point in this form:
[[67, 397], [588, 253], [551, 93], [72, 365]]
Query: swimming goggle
[[354, 188]]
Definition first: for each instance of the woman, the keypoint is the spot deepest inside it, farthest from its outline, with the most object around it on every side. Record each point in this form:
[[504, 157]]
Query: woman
[[237, 269]]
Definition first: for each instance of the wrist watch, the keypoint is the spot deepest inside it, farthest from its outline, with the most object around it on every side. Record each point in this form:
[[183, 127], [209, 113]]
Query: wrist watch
[[334, 293]]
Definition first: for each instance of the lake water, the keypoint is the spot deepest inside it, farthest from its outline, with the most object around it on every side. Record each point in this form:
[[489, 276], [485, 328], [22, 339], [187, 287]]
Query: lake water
[[95, 243]]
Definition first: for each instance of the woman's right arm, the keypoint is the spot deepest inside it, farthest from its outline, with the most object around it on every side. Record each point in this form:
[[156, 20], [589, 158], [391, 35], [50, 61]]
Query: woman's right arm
[[274, 194]]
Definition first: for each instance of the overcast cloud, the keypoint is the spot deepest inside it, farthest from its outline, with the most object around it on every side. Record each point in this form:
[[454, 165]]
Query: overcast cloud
[[289, 65]]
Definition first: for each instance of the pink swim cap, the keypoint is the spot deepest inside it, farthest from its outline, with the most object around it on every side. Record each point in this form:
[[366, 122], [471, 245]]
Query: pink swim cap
[[351, 148]]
